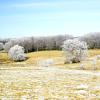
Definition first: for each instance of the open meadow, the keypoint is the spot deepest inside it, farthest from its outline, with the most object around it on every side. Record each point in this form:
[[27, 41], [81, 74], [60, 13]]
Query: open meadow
[[28, 80], [49, 49]]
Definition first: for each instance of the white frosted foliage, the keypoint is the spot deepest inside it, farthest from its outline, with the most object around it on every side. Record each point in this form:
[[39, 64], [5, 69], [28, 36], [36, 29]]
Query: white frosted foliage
[[45, 62], [16, 53], [74, 50], [1, 46]]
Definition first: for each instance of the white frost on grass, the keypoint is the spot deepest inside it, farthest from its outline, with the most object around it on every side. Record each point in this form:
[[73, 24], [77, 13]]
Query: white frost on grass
[[66, 98], [82, 92], [94, 62], [4, 98], [41, 98], [97, 87], [82, 86], [45, 62], [82, 66], [98, 57], [24, 98]]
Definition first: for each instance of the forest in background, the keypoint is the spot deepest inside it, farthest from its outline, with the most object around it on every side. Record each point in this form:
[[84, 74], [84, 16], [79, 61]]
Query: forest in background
[[50, 42]]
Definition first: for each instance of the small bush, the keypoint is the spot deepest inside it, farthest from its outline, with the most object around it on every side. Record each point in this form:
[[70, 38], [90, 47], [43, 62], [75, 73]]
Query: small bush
[[74, 50], [16, 53]]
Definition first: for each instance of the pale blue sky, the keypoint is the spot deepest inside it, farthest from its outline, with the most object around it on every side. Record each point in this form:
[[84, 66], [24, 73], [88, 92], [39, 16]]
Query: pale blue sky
[[20, 18]]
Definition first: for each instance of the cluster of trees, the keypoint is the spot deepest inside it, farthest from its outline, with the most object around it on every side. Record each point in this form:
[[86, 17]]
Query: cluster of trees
[[49, 43], [38, 43], [92, 39], [27, 43]]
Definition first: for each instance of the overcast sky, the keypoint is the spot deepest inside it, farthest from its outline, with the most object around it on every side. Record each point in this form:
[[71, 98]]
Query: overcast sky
[[20, 18]]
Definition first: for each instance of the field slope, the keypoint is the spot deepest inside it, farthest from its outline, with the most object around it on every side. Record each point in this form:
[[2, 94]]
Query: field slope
[[28, 81]]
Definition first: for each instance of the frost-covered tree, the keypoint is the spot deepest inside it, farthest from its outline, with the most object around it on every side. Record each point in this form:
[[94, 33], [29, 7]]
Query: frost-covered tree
[[16, 53], [1, 46], [92, 39], [10, 44], [74, 50], [26, 42]]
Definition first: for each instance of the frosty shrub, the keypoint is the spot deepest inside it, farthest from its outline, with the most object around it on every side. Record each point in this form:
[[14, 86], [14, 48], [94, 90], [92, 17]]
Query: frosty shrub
[[16, 53], [74, 50], [1, 46], [45, 62]]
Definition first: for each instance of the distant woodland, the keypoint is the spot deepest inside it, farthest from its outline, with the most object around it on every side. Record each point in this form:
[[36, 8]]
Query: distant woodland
[[50, 42]]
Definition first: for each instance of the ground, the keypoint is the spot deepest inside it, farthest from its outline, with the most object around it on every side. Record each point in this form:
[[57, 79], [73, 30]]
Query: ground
[[29, 81]]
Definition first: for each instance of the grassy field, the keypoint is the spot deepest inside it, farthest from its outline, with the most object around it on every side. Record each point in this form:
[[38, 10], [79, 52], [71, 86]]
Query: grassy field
[[29, 81], [57, 56]]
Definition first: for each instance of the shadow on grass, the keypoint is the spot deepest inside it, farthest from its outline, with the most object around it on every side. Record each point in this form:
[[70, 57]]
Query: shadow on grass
[[3, 61]]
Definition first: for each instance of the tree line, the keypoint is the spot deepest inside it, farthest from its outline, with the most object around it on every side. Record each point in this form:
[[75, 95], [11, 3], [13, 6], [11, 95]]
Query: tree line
[[37, 43], [92, 39], [50, 42]]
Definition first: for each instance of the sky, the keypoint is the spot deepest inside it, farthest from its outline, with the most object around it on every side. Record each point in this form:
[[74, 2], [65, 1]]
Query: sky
[[19, 18]]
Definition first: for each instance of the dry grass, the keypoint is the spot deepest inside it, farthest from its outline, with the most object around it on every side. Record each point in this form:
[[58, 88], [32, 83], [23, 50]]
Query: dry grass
[[4, 58], [33, 56], [42, 55], [94, 52], [57, 56], [58, 82], [51, 83]]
